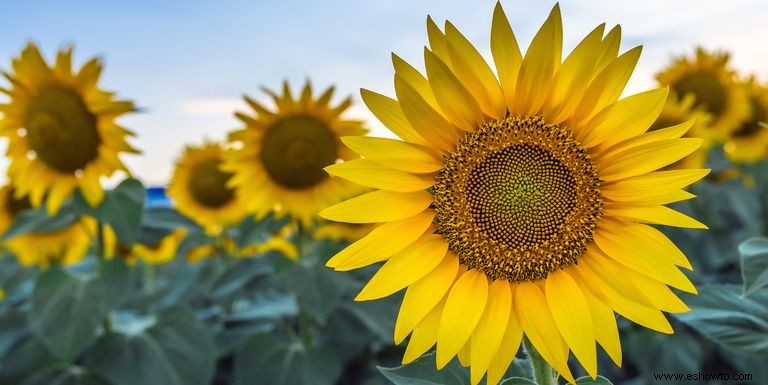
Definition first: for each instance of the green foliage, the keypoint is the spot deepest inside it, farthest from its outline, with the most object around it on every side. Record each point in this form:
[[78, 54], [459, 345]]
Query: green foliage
[[754, 264]]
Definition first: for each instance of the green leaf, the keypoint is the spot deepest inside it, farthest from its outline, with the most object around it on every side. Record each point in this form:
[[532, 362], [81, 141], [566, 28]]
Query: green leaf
[[519, 381], [37, 221], [754, 264], [57, 375], [122, 209], [423, 372], [117, 281], [318, 289], [266, 359], [600, 380], [66, 312], [29, 356], [251, 231], [736, 323], [178, 350]]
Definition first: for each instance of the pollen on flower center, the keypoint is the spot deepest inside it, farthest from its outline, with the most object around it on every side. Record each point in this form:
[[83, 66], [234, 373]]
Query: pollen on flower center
[[296, 149], [208, 184], [518, 199], [61, 130]]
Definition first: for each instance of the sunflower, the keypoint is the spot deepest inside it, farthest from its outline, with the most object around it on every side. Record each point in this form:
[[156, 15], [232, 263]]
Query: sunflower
[[709, 78], [678, 111], [278, 157], [66, 246], [749, 142], [61, 129], [519, 205], [199, 189], [339, 232], [161, 250], [228, 246]]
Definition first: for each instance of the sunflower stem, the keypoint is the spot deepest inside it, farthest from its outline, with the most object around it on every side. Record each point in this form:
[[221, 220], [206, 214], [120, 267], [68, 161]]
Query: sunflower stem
[[543, 373]]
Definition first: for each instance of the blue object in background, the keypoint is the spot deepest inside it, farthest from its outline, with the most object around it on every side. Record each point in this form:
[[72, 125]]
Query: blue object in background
[[156, 197]]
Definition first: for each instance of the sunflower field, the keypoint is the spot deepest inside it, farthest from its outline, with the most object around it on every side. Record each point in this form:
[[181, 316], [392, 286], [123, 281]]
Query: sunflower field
[[525, 219]]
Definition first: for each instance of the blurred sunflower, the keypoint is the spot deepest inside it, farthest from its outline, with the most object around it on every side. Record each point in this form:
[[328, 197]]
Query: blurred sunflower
[[278, 157], [519, 205], [749, 142], [61, 129], [339, 232], [67, 245], [678, 111], [199, 189], [228, 246], [710, 79], [162, 249]]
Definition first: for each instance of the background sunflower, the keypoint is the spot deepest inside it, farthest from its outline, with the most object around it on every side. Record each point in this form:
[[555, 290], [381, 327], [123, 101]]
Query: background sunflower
[[278, 157], [61, 129]]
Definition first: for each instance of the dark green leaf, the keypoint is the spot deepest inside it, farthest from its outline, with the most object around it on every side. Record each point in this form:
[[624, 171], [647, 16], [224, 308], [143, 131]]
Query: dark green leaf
[[58, 375], [378, 316], [37, 220], [252, 231], [122, 209], [12, 330], [178, 350], [318, 289], [754, 264], [519, 381], [268, 360], [29, 356], [423, 372], [66, 312], [600, 380], [238, 275], [117, 281], [736, 323]]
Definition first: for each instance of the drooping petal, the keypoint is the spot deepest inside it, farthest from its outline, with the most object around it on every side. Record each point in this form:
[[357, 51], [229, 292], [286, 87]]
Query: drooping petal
[[463, 308], [487, 338]]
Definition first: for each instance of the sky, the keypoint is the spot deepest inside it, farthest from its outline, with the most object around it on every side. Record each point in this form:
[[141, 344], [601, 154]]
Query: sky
[[187, 63]]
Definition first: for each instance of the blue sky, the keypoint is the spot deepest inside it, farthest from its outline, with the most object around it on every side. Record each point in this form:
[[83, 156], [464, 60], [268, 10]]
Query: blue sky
[[187, 62]]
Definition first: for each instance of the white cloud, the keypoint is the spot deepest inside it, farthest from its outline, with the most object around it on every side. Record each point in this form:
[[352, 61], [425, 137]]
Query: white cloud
[[213, 106]]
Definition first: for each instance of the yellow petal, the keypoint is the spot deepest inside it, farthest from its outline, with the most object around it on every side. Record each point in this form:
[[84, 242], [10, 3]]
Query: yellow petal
[[610, 48], [437, 42], [487, 338], [371, 174], [569, 84], [464, 354], [604, 325], [537, 323], [388, 111], [378, 206], [572, 316], [510, 344], [618, 241], [382, 242], [463, 308], [645, 158], [655, 215], [423, 295], [59, 192], [624, 119], [633, 311], [607, 86], [648, 186], [395, 153], [655, 136], [506, 54], [425, 334], [415, 79], [540, 63], [457, 104], [474, 73], [91, 188], [406, 267], [437, 131]]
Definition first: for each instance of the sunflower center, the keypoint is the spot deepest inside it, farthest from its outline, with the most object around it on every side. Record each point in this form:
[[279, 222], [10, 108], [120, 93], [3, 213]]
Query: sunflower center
[[295, 150], [518, 199], [752, 126], [61, 130], [706, 87], [208, 184]]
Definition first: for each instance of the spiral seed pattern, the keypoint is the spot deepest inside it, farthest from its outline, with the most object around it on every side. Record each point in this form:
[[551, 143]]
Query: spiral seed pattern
[[518, 199]]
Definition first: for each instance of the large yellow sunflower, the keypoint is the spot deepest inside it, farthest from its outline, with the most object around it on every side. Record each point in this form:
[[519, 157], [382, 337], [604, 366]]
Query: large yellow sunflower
[[278, 157], [678, 111], [66, 246], [519, 204], [61, 129], [199, 189], [709, 78], [749, 142]]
